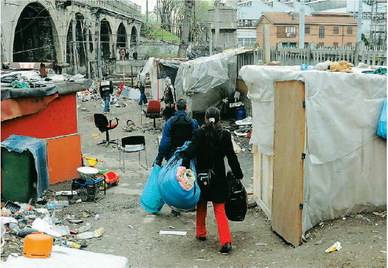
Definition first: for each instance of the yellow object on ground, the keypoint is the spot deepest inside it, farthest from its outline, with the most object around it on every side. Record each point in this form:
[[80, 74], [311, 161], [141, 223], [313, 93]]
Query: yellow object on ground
[[37, 245]]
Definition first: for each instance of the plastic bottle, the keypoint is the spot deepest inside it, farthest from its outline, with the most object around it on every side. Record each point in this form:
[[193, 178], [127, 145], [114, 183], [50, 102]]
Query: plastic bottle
[[57, 204], [71, 244]]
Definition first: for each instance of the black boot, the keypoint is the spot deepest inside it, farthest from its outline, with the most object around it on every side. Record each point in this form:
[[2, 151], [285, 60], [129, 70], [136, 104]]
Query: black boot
[[226, 249]]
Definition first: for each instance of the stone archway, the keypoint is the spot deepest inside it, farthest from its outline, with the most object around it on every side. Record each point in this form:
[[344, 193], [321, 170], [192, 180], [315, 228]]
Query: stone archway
[[121, 41], [35, 37], [80, 42], [105, 39], [134, 36]]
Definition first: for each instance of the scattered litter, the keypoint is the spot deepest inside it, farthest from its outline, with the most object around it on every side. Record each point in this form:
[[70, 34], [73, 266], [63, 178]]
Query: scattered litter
[[65, 193], [11, 206], [361, 217], [171, 227], [88, 235], [130, 226], [181, 233], [318, 242], [381, 214], [261, 244], [75, 221], [335, 247], [84, 228], [6, 220], [244, 122], [57, 204], [97, 217]]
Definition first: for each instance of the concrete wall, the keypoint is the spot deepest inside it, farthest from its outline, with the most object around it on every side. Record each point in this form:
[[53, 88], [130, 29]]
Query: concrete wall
[[224, 26], [61, 18]]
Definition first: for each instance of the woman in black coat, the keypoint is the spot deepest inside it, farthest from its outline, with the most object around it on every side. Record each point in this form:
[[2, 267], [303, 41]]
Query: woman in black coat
[[210, 144]]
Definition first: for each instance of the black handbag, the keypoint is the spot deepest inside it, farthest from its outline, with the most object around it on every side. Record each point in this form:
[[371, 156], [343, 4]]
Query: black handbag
[[236, 204], [204, 179]]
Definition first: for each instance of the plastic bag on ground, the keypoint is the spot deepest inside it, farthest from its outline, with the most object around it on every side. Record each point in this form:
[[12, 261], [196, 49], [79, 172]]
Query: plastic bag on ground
[[382, 123], [151, 200], [170, 189]]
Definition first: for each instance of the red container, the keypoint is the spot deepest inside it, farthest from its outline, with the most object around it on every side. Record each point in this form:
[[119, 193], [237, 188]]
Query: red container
[[112, 177]]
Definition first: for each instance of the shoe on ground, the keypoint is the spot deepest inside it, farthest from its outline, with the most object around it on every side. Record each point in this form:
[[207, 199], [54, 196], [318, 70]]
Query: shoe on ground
[[201, 238], [226, 249]]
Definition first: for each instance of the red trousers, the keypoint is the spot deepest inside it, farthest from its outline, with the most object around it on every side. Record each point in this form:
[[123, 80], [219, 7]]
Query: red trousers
[[224, 235]]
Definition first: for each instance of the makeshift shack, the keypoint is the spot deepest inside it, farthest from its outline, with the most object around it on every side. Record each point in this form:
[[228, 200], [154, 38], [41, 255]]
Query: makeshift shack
[[158, 70], [46, 111], [316, 154], [206, 81]]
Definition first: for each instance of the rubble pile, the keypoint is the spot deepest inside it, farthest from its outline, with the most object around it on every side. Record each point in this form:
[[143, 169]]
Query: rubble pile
[[20, 219]]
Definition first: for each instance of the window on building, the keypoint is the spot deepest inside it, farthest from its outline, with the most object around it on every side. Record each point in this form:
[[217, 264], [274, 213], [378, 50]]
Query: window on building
[[307, 29], [349, 30], [335, 44], [321, 31], [290, 31], [349, 44], [320, 44], [335, 30]]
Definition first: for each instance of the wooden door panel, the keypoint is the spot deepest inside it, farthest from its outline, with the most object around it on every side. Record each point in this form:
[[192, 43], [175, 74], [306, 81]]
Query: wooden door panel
[[289, 141]]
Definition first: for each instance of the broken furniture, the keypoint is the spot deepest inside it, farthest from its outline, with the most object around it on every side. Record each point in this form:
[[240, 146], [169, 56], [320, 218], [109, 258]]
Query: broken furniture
[[153, 111], [88, 186], [132, 144], [104, 125], [315, 145]]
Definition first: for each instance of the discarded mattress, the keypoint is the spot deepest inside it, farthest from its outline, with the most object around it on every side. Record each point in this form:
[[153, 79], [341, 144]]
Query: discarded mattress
[[62, 257]]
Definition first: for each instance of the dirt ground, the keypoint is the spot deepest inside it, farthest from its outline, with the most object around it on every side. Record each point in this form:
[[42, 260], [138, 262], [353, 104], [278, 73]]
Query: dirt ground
[[131, 232]]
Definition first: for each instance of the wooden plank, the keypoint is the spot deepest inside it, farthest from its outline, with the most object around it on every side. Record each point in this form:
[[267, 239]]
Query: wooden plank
[[262, 180], [289, 140], [63, 158]]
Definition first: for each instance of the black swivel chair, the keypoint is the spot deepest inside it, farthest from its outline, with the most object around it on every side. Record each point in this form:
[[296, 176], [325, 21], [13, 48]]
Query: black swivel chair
[[104, 125]]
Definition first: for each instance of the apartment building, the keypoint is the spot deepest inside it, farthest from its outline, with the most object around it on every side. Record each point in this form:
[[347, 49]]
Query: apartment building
[[250, 11], [321, 30]]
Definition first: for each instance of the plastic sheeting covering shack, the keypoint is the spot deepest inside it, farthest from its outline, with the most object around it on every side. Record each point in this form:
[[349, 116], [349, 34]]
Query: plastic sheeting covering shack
[[207, 80], [342, 161]]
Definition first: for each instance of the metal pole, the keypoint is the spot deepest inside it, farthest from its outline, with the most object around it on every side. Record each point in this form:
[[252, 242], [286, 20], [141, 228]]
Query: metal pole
[[74, 41], [301, 24], [359, 21], [147, 11], [267, 44]]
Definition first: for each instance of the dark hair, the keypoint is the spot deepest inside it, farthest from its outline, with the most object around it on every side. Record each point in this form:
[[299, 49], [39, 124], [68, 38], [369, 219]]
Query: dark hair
[[181, 104], [212, 126]]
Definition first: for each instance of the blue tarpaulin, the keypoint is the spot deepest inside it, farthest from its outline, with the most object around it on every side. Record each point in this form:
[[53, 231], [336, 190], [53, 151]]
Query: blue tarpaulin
[[37, 147], [382, 124]]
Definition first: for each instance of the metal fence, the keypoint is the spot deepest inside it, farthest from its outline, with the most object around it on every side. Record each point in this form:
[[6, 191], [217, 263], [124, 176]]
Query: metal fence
[[296, 56]]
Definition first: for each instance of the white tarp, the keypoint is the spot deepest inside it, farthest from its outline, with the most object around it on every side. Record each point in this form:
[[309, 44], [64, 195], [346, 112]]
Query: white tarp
[[345, 166], [207, 80]]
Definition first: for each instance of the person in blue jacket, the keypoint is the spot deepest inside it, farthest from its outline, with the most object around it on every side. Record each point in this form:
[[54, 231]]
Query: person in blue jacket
[[177, 130]]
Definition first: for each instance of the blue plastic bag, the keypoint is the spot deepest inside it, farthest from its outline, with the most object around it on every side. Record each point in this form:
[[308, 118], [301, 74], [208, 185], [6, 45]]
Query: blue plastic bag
[[382, 124], [171, 191], [151, 200]]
